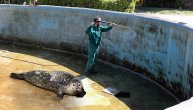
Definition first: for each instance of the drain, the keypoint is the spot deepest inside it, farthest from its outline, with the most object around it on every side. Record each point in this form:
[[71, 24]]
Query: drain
[[123, 94], [116, 92]]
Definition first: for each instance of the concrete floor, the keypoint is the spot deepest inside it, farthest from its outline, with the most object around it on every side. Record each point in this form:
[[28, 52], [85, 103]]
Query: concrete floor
[[19, 95]]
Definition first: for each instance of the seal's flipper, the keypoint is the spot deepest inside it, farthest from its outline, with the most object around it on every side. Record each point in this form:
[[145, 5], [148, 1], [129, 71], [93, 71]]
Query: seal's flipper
[[60, 95], [17, 76]]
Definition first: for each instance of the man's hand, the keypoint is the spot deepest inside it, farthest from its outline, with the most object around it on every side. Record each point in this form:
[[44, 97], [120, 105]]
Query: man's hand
[[111, 24], [92, 23]]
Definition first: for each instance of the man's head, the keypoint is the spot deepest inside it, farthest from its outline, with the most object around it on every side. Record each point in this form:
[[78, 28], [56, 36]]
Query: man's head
[[97, 21]]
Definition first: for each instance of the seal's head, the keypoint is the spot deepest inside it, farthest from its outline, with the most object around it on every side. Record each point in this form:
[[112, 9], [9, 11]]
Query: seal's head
[[75, 88]]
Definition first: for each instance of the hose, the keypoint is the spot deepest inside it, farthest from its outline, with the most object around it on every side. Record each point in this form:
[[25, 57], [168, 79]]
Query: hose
[[78, 47]]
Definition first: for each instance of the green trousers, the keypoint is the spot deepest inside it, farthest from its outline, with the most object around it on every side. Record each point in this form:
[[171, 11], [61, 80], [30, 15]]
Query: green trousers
[[93, 51]]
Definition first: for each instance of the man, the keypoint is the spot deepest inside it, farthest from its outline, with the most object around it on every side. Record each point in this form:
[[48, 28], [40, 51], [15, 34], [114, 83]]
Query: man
[[94, 32]]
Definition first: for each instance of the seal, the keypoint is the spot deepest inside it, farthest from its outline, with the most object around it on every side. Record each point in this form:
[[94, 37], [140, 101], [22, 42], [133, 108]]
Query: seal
[[60, 82]]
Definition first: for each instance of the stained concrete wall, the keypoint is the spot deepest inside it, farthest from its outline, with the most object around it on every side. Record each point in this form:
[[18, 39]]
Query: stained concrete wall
[[163, 49]]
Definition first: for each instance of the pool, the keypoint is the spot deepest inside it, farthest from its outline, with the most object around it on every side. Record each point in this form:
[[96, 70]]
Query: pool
[[157, 50]]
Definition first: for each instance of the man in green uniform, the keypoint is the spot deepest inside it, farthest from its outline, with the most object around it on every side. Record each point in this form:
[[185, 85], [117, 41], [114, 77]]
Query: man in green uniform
[[94, 32]]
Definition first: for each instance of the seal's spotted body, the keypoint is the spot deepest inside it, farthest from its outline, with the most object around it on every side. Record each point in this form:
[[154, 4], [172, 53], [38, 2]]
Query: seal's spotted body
[[60, 82], [48, 80]]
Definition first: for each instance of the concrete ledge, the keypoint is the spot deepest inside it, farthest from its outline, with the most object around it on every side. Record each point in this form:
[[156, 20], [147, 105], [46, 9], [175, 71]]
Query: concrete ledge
[[185, 105], [154, 47]]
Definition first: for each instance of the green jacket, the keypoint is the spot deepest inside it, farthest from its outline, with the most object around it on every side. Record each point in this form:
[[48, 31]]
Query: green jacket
[[94, 33]]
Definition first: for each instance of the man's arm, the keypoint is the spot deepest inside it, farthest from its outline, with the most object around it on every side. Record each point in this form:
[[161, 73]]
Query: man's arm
[[88, 29], [91, 37], [107, 28]]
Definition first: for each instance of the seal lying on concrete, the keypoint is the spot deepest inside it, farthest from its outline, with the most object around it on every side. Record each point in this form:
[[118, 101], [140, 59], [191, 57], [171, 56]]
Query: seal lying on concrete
[[60, 82]]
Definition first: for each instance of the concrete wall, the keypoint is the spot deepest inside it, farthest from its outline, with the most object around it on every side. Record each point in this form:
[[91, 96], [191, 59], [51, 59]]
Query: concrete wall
[[161, 48]]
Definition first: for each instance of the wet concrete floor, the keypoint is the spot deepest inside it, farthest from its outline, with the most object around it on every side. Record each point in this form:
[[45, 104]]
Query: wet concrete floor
[[20, 95]]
